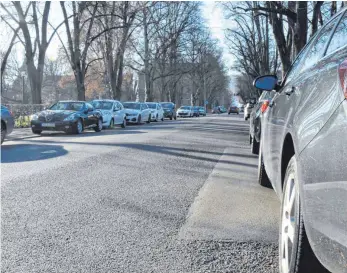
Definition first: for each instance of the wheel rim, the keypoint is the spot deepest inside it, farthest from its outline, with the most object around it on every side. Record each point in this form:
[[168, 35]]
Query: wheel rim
[[79, 126], [288, 223], [100, 124]]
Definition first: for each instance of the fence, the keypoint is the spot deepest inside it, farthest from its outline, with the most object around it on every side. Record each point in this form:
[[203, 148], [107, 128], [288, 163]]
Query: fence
[[22, 113]]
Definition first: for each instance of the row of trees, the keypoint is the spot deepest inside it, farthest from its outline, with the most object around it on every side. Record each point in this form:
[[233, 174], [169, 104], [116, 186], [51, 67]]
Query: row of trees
[[104, 45], [268, 35]]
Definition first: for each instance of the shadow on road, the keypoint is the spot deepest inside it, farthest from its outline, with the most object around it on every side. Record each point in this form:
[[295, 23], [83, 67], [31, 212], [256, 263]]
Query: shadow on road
[[30, 152]]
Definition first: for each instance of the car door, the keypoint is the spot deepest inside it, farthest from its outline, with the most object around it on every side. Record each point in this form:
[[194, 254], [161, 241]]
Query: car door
[[160, 111], [116, 113], [121, 113], [323, 159], [91, 118], [275, 121], [144, 111]]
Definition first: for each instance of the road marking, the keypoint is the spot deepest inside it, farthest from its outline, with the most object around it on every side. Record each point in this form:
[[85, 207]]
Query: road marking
[[231, 205]]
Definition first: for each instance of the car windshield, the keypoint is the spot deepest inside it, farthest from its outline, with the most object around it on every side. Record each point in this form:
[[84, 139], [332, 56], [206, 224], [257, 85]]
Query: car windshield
[[132, 105], [167, 105], [152, 105], [105, 105], [185, 107], [196, 107], [201, 108], [74, 106]]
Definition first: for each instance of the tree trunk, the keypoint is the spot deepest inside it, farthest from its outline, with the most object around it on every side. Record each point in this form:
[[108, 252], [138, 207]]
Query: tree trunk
[[79, 77], [146, 61], [300, 36]]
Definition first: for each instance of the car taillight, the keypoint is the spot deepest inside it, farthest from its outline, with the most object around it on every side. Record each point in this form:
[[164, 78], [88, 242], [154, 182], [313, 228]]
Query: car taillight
[[343, 77], [264, 106]]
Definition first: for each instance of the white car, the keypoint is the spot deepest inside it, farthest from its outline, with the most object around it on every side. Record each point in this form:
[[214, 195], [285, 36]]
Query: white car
[[185, 111], [157, 112], [137, 112], [112, 112]]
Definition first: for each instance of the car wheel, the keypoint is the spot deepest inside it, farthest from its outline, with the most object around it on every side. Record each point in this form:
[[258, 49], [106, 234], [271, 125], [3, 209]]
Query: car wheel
[[79, 127], [254, 146], [263, 178], [295, 252], [111, 124], [156, 118], [174, 118], [162, 118], [3, 132], [98, 127], [139, 119], [171, 118], [149, 119], [124, 124], [36, 132]]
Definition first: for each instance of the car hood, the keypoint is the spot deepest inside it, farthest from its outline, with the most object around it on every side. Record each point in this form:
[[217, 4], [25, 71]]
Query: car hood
[[167, 109], [55, 115], [132, 111], [183, 110], [105, 111]]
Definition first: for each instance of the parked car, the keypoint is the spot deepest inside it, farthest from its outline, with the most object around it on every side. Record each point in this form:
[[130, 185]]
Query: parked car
[[196, 112], [137, 112], [7, 122], [185, 111], [169, 110], [233, 109], [112, 112], [222, 109], [67, 116], [157, 112], [248, 109], [202, 111], [216, 110], [303, 155], [255, 120]]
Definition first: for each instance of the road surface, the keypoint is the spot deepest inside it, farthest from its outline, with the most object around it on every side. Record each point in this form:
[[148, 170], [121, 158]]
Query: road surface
[[172, 196]]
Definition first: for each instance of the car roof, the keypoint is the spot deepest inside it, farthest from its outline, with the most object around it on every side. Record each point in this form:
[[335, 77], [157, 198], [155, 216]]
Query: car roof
[[105, 100], [72, 101]]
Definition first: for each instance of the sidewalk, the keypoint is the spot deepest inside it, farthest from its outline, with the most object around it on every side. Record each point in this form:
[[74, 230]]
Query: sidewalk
[[20, 133]]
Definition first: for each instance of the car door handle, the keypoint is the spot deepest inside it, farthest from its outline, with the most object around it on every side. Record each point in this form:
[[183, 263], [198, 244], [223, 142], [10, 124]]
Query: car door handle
[[290, 91]]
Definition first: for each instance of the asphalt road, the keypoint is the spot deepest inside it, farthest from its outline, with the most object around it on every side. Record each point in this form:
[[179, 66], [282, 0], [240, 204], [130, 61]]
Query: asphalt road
[[172, 196]]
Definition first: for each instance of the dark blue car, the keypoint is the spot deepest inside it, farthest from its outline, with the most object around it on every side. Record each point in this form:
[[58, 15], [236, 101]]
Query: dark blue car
[[7, 122]]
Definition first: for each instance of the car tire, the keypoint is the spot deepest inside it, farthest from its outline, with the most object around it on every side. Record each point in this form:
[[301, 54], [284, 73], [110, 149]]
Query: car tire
[[139, 120], [263, 178], [36, 132], [124, 124], [171, 118], [111, 126], [292, 230], [156, 118], [175, 117], [98, 127], [254, 146], [3, 131], [162, 118], [78, 129], [149, 119]]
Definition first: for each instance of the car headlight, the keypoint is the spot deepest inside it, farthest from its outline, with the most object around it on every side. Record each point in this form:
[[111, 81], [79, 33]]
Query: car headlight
[[70, 118], [34, 117]]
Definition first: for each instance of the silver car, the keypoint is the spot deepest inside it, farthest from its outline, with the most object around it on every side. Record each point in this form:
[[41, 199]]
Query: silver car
[[112, 111], [303, 153]]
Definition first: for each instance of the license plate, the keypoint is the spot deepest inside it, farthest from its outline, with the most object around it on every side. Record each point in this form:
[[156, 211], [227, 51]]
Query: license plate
[[50, 124]]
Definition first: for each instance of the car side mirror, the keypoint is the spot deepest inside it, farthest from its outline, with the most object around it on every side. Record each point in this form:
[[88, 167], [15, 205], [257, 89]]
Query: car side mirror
[[268, 82]]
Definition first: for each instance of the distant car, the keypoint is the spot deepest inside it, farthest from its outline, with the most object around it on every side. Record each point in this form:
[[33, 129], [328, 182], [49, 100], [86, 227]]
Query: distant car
[[67, 116], [7, 122], [157, 112], [255, 120], [185, 111], [233, 109], [216, 110], [169, 110], [202, 111], [112, 112], [137, 112], [222, 109], [196, 112]]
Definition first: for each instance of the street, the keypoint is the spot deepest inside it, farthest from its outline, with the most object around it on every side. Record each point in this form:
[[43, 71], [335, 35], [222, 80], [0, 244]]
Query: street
[[172, 196]]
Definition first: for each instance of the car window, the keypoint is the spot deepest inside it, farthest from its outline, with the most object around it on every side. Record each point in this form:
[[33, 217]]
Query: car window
[[317, 47], [90, 107], [144, 106], [340, 36], [119, 105]]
